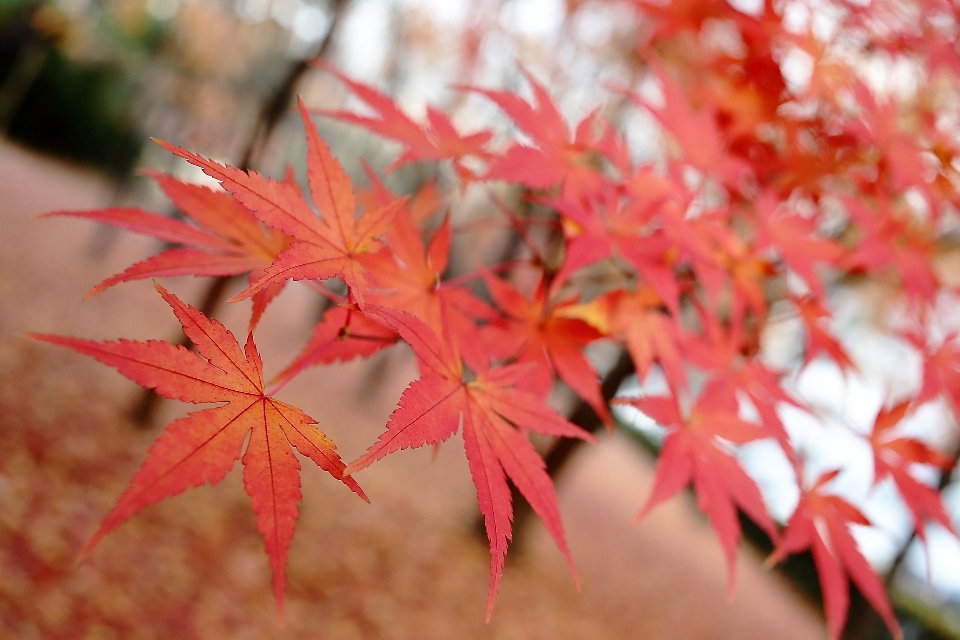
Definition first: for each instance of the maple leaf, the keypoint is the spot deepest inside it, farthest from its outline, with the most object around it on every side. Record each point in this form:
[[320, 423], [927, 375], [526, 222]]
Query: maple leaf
[[941, 364], [892, 457], [682, 15], [202, 447], [535, 331], [794, 238], [489, 407], [821, 523], [408, 277], [649, 334], [702, 143], [895, 241], [342, 334], [734, 265], [819, 339], [608, 225], [228, 240], [695, 450], [439, 140], [900, 154], [555, 158], [422, 205], [729, 355], [334, 246]]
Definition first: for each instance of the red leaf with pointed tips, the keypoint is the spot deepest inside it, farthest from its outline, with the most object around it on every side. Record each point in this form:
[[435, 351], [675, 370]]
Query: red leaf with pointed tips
[[700, 139], [892, 457], [535, 331], [342, 334], [819, 338], [893, 241], [202, 447], [438, 140], [228, 240], [694, 451], [491, 409], [822, 522], [609, 225], [555, 158], [649, 334], [794, 238], [334, 246]]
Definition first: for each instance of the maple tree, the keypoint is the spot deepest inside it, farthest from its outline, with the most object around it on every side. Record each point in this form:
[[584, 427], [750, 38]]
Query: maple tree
[[770, 194]]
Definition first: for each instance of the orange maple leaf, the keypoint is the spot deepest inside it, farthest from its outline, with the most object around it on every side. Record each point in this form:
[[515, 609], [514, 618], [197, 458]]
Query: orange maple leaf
[[226, 241], [334, 246], [202, 447]]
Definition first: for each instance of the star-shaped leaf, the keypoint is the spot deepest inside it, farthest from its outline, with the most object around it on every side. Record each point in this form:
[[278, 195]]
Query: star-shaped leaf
[[491, 410], [202, 447]]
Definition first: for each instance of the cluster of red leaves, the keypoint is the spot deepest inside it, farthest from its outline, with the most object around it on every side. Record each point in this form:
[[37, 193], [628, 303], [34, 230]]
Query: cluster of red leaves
[[678, 263]]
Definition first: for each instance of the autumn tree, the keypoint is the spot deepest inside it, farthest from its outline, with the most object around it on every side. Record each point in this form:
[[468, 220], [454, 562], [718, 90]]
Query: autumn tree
[[801, 149]]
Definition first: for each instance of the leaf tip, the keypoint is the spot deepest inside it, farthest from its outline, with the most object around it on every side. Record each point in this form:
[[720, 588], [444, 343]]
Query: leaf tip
[[97, 289], [41, 337], [279, 609], [88, 547], [249, 291], [773, 559], [353, 486], [731, 593]]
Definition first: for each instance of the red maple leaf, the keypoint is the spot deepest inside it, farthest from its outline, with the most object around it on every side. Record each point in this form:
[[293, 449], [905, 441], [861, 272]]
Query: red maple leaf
[[900, 155], [734, 265], [650, 334], [334, 246], [342, 334], [202, 447], [555, 158], [696, 450], [941, 365], [408, 277], [702, 143], [729, 355], [821, 522], [535, 331], [439, 140], [794, 238], [683, 15], [819, 338], [227, 239], [895, 241], [892, 457], [491, 410], [609, 225]]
